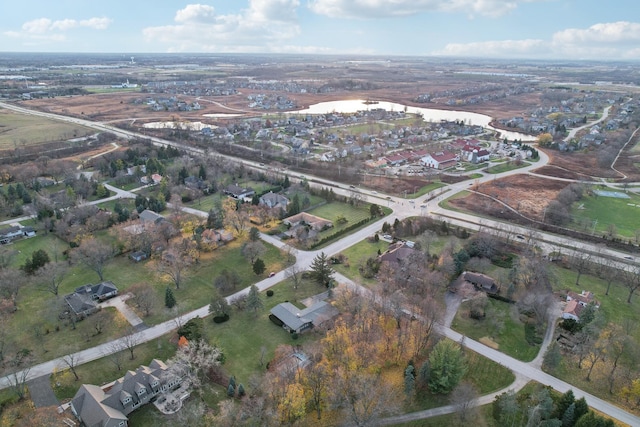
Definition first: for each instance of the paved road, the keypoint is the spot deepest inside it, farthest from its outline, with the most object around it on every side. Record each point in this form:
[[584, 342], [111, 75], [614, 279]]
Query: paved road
[[402, 209]]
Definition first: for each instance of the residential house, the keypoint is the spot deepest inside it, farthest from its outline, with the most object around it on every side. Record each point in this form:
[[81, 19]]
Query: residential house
[[28, 231], [397, 253], [440, 160], [482, 282], [315, 222], [10, 233], [108, 406], [576, 302], [274, 200], [151, 217], [238, 192], [138, 256], [195, 183], [295, 320], [395, 159], [84, 301]]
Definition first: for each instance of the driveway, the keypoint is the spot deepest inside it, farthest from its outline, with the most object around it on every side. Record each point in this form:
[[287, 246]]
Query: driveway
[[41, 392], [119, 303]]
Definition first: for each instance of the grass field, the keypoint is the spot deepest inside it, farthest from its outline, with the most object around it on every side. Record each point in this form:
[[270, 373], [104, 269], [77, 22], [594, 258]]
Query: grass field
[[509, 336], [505, 167], [21, 129], [35, 325], [623, 213]]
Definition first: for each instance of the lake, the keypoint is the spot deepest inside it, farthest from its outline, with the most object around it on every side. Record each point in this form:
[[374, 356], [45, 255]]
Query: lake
[[429, 114]]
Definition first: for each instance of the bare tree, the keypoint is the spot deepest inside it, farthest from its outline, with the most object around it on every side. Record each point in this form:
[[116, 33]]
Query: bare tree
[[631, 280], [252, 250], [144, 297], [294, 273], [115, 353], [176, 261], [464, 398], [93, 254], [71, 361], [130, 340], [11, 283], [51, 276], [580, 261], [20, 364]]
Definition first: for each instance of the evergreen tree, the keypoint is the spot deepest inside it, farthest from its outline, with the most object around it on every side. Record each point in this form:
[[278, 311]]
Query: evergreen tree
[[567, 399], [294, 207], [241, 391], [254, 234], [286, 183], [202, 173], [448, 366], [231, 391], [254, 299], [169, 299], [568, 418], [409, 380], [321, 271], [258, 266], [581, 408]]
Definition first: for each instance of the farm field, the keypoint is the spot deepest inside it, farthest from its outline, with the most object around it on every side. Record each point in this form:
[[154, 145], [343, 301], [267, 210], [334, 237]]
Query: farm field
[[24, 130]]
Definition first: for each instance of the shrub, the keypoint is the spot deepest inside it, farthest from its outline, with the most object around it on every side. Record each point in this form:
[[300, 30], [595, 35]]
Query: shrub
[[220, 319], [531, 334], [269, 293], [275, 320], [294, 335]]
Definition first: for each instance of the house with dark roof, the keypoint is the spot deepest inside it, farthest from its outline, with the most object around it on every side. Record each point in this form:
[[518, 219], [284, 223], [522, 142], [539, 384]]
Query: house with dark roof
[[84, 301], [10, 233], [108, 406], [482, 282], [397, 253], [238, 192], [295, 320], [150, 216]]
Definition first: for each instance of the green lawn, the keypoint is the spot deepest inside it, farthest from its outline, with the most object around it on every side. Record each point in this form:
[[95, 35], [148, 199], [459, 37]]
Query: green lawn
[[606, 211], [506, 167], [614, 306], [509, 337], [36, 326]]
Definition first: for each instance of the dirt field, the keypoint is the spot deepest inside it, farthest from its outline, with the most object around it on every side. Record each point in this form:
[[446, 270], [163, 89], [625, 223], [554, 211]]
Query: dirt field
[[528, 194]]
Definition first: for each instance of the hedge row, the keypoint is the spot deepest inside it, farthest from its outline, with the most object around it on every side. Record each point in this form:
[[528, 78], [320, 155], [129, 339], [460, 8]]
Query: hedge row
[[339, 233]]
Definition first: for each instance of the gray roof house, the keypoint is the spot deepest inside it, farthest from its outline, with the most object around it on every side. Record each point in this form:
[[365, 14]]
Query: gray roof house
[[108, 406], [150, 216], [83, 301], [295, 320], [274, 200], [238, 192]]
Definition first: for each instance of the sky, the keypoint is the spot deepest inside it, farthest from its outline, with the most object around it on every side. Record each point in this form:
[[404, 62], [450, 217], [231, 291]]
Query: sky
[[527, 29]]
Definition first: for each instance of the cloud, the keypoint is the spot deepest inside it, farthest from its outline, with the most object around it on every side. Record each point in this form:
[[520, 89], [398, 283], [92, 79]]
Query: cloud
[[600, 41], [387, 8], [503, 48], [47, 29], [265, 26]]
